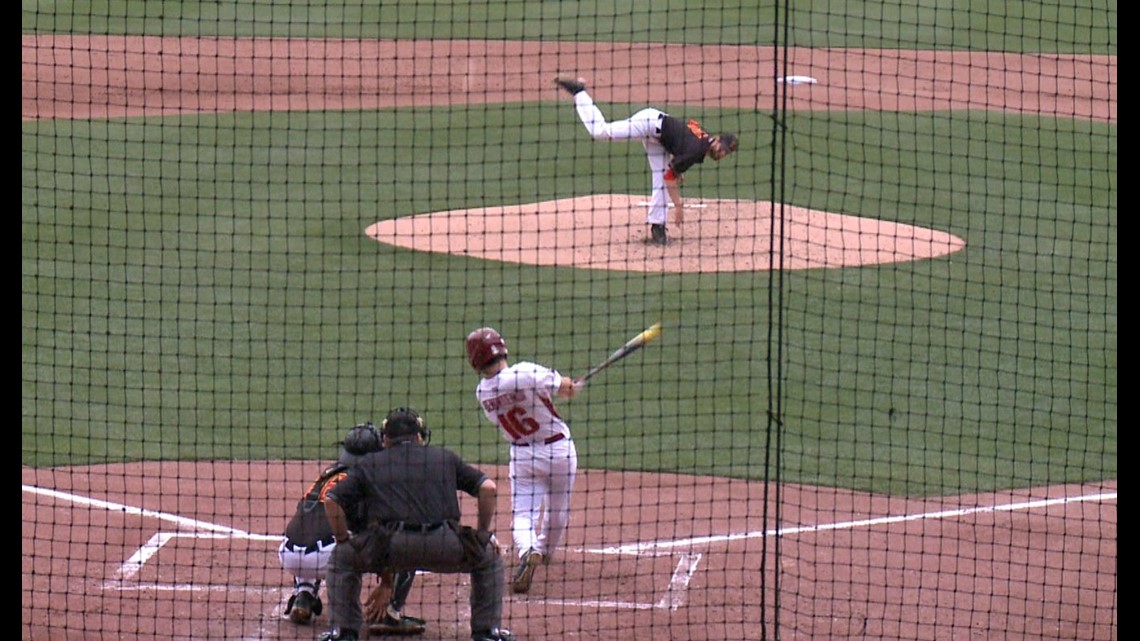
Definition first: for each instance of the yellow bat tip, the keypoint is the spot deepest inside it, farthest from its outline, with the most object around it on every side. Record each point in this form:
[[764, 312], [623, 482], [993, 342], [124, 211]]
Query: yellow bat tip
[[653, 332]]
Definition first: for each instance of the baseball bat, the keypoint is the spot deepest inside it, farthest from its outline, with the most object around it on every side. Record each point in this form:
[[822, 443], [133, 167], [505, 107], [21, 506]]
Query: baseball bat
[[631, 346]]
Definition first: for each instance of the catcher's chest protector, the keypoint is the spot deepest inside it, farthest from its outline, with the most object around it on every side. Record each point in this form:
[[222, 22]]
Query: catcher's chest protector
[[309, 523]]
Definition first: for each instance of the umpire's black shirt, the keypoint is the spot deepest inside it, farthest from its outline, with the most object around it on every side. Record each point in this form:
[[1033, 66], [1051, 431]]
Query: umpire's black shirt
[[409, 482]]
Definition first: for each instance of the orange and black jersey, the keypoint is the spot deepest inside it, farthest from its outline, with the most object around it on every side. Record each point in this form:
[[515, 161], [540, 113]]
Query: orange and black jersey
[[686, 141], [309, 525]]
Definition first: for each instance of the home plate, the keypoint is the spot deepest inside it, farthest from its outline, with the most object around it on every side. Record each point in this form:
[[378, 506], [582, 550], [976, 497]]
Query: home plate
[[645, 203], [797, 80]]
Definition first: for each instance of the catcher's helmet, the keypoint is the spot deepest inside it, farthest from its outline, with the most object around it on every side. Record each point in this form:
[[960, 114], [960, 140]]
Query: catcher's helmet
[[403, 422], [360, 440], [483, 346]]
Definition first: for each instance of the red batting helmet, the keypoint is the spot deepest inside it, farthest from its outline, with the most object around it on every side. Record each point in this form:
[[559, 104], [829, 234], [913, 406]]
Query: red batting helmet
[[483, 346]]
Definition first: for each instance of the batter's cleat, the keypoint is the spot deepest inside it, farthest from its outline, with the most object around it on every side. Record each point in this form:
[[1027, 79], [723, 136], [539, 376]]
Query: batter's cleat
[[570, 85], [657, 235], [394, 622], [498, 634], [302, 607], [525, 571]]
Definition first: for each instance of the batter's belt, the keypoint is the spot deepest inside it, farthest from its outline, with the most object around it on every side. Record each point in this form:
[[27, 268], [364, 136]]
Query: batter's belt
[[548, 441]]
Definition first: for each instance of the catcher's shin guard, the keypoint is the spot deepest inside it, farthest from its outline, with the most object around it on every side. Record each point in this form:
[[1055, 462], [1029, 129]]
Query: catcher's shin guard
[[302, 607], [401, 586]]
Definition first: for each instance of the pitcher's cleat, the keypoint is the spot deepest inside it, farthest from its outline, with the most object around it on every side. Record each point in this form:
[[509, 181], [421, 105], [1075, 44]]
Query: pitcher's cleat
[[570, 85]]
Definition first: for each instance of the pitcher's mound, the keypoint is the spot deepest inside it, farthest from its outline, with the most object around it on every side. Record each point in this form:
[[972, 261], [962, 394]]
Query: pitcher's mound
[[610, 232]]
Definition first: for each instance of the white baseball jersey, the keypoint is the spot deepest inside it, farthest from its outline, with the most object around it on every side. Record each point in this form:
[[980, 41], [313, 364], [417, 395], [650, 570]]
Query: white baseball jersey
[[519, 399]]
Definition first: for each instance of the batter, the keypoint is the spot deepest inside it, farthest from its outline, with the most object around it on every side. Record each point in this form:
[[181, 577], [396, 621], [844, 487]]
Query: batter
[[518, 400]]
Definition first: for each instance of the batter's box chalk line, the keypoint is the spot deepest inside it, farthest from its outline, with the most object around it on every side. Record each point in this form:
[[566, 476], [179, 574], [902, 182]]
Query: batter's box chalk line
[[797, 80]]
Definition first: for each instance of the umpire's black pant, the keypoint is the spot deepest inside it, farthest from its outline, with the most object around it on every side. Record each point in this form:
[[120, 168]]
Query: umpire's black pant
[[439, 550]]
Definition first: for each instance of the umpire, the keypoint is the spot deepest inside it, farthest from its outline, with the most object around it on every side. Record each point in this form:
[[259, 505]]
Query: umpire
[[408, 490]]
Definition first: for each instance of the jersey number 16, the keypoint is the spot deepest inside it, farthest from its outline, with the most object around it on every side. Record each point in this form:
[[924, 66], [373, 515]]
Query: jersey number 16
[[516, 423]]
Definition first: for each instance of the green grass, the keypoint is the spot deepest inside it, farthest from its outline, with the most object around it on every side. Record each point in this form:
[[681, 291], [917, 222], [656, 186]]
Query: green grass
[[200, 287], [1048, 27]]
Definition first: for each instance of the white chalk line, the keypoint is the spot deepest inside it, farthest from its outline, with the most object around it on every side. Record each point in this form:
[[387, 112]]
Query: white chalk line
[[674, 596], [639, 548], [672, 599], [123, 577], [136, 586], [192, 524], [132, 565]]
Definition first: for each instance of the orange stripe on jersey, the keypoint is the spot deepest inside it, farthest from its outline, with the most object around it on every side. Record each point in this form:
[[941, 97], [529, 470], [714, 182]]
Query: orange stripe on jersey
[[331, 483], [695, 127], [325, 485]]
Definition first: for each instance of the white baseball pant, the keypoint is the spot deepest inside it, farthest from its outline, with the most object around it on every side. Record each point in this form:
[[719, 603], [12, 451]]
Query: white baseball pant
[[644, 125]]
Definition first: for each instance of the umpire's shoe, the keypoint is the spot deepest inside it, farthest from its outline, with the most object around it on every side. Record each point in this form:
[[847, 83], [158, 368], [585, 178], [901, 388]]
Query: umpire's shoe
[[337, 634], [657, 235], [525, 571], [570, 85], [395, 622], [498, 634]]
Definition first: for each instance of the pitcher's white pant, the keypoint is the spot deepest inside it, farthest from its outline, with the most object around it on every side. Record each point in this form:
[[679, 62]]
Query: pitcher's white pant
[[542, 476], [645, 126]]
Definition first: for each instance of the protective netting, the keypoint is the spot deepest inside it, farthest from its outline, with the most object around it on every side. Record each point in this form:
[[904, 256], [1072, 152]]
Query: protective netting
[[882, 405]]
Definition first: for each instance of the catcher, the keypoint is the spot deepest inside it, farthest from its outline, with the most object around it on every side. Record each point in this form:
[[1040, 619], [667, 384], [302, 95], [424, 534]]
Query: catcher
[[309, 544]]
